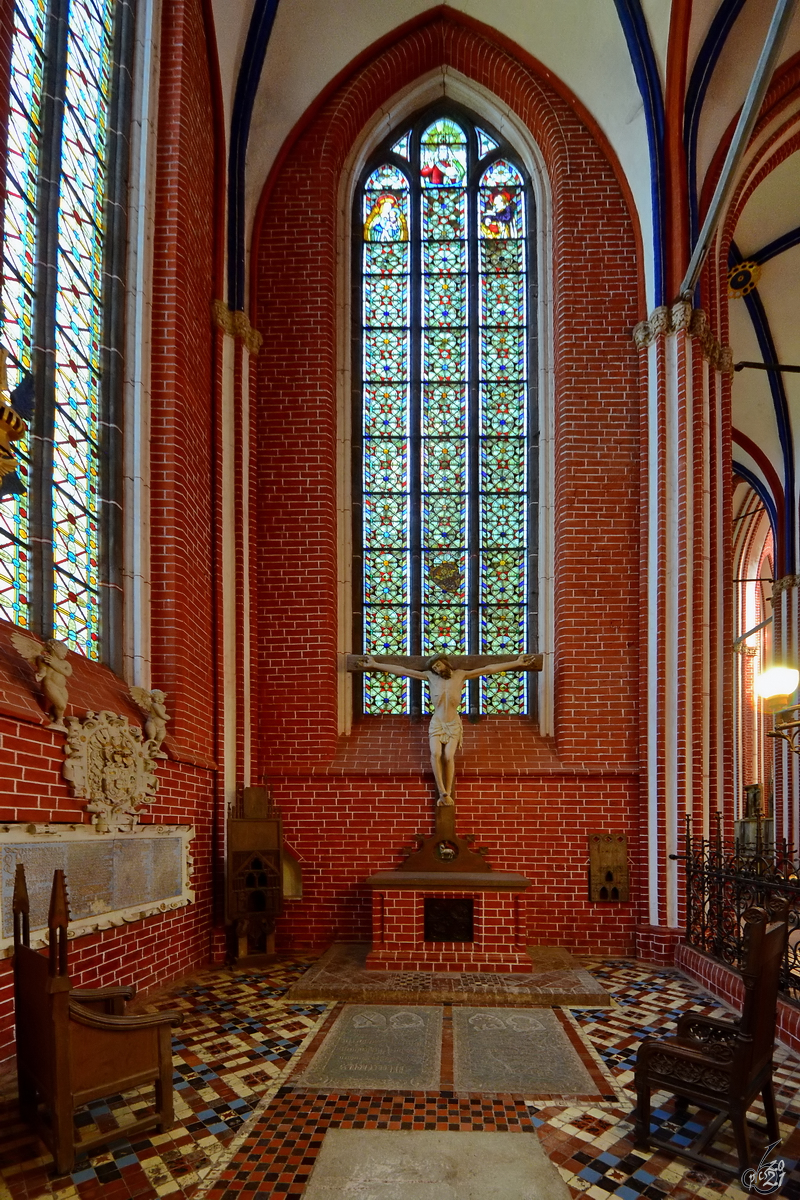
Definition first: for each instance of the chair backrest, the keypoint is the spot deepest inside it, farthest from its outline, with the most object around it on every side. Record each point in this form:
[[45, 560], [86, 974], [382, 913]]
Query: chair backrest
[[765, 940], [21, 909], [57, 918], [41, 985]]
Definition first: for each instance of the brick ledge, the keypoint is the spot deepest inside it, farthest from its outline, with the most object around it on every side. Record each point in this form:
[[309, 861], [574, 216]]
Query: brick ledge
[[726, 983]]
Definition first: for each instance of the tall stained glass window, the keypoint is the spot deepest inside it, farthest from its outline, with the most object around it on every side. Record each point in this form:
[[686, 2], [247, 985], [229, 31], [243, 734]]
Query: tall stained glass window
[[19, 247], [447, 498], [61, 182]]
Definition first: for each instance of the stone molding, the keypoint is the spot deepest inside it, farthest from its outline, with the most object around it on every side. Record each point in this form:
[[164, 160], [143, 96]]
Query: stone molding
[[678, 317], [237, 325], [783, 585]]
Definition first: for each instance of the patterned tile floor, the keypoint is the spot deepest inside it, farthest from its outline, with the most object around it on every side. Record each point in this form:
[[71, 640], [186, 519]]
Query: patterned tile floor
[[245, 1130]]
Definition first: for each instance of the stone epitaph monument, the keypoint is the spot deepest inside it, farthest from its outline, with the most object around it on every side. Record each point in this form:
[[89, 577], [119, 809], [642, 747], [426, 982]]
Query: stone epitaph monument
[[445, 908]]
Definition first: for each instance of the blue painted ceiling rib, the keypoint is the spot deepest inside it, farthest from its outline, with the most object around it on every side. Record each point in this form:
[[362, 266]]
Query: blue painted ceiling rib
[[255, 50], [645, 67], [772, 249], [781, 407], [705, 63], [764, 495]]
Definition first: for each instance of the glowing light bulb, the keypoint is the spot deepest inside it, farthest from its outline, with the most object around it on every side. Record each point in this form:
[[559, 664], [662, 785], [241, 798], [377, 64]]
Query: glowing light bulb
[[777, 682]]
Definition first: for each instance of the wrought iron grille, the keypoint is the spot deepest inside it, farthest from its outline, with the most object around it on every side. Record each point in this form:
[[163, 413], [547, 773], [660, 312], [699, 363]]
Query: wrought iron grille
[[723, 880]]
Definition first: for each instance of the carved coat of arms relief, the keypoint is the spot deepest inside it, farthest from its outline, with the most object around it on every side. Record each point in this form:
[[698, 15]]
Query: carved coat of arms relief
[[111, 766]]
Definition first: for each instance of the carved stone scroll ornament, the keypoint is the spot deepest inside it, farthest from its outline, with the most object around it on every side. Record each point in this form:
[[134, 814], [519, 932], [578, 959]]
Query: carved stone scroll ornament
[[109, 764]]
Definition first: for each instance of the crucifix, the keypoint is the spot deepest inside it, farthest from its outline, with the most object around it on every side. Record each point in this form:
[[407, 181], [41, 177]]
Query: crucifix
[[446, 679]]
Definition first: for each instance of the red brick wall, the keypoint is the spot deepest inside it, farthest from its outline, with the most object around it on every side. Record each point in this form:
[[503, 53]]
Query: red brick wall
[[724, 982], [181, 443], [349, 807], [145, 953], [184, 484]]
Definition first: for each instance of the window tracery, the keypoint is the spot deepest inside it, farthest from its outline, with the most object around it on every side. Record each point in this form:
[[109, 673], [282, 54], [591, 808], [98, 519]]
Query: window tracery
[[446, 463], [60, 183]]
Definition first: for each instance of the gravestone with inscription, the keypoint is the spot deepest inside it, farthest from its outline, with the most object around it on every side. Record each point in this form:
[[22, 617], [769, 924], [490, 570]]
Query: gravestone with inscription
[[380, 1046], [110, 879], [516, 1050]]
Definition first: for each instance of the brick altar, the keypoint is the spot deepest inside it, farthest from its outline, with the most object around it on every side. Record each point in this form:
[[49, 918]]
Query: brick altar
[[499, 923], [445, 867]]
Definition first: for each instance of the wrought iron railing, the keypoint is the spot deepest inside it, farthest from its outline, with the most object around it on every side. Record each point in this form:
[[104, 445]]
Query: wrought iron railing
[[723, 880]]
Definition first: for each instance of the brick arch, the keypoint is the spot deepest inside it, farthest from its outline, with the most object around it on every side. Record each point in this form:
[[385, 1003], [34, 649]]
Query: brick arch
[[596, 302]]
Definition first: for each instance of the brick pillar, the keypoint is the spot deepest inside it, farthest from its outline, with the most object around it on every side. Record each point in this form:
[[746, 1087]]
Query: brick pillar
[[687, 710]]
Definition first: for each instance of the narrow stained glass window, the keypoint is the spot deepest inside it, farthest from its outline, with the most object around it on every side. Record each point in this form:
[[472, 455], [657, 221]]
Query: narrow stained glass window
[[447, 460], [386, 305], [54, 288], [79, 318], [19, 253]]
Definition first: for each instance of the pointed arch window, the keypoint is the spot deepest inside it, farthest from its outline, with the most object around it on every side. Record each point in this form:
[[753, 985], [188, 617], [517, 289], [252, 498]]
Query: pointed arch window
[[446, 457], [62, 295]]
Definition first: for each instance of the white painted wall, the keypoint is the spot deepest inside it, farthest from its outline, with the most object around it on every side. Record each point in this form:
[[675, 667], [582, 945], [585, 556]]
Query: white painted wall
[[580, 42], [231, 22], [733, 73], [583, 44]]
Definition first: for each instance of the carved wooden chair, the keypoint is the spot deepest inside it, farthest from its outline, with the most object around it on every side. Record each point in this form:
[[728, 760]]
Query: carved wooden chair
[[74, 1045], [722, 1065]]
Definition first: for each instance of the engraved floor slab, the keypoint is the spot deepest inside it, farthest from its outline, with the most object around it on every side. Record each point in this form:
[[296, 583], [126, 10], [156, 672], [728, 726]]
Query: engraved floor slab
[[524, 1051], [376, 1046], [555, 978], [396, 1165]]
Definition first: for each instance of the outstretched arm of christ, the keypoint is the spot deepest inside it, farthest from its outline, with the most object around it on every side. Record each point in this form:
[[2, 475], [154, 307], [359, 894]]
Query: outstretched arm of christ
[[524, 660], [368, 663]]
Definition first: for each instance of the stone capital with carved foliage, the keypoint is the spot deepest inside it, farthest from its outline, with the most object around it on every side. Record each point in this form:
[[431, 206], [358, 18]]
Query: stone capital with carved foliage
[[236, 324], [681, 317]]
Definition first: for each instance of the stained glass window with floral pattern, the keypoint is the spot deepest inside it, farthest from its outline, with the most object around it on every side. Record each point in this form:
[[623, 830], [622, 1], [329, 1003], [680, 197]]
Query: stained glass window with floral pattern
[[55, 242], [446, 470]]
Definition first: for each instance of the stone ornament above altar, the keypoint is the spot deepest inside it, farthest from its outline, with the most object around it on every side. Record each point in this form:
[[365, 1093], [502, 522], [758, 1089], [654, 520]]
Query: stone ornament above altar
[[109, 762]]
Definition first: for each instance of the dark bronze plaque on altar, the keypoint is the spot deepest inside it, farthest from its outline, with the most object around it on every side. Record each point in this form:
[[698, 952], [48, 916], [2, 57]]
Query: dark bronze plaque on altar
[[448, 920]]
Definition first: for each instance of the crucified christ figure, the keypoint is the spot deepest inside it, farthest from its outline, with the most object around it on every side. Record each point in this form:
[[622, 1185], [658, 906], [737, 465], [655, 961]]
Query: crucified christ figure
[[446, 685]]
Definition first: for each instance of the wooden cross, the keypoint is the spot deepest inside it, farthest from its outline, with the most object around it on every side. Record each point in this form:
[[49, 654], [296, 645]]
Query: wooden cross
[[463, 662], [445, 731]]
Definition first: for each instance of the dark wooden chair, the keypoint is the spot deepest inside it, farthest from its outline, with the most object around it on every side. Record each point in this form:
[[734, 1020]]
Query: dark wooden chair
[[722, 1065], [77, 1045]]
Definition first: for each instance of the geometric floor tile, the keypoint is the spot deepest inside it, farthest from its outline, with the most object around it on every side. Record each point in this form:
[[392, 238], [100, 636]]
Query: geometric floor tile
[[247, 1126]]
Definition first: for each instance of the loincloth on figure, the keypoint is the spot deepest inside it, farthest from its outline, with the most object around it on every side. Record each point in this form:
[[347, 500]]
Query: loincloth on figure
[[445, 731]]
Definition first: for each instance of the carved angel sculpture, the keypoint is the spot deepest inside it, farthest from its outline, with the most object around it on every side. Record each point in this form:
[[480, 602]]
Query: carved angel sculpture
[[153, 707], [49, 660]]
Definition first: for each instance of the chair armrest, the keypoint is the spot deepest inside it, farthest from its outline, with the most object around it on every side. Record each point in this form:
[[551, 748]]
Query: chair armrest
[[706, 1030], [97, 1020], [112, 999]]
